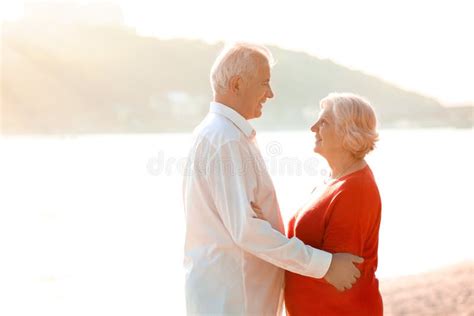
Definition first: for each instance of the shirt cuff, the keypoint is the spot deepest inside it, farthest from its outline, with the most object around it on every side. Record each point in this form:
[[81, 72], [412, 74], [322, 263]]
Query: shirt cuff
[[320, 262]]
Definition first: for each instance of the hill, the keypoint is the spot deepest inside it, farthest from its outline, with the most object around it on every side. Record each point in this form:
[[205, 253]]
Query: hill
[[81, 78]]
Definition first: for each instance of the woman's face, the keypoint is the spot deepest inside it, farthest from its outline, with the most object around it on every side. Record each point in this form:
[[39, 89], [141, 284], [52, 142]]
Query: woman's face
[[328, 142]]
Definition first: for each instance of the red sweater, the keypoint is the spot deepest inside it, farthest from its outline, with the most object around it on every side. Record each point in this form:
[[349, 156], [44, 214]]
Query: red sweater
[[344, 217]]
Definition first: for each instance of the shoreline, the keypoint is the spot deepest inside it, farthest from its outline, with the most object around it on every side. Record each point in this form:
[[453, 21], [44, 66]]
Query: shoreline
[[447, 291]]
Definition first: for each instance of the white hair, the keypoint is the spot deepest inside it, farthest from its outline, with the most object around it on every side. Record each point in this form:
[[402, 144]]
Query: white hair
[[355, 120], [237, 59]]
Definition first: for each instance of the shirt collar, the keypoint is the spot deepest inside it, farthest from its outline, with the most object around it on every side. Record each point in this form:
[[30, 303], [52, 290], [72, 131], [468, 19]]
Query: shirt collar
[[234, 116]]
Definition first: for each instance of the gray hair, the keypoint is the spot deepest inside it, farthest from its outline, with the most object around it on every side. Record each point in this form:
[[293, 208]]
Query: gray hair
[[237, 59], [355, 120]]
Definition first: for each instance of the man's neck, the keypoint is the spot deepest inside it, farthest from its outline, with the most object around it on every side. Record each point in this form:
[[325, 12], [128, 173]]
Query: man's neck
[[229, 103]]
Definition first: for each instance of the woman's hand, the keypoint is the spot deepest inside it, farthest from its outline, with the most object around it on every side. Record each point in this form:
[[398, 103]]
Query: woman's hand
[[257, 211]]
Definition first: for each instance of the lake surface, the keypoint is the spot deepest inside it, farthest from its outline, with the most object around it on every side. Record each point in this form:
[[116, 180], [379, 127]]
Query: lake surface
[[93, 225]]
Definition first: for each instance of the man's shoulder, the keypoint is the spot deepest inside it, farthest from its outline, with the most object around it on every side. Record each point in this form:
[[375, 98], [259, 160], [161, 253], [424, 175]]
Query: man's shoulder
[[217, 129]]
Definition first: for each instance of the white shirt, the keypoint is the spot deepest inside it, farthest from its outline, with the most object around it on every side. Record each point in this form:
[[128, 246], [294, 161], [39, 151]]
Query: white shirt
[[234, 261]]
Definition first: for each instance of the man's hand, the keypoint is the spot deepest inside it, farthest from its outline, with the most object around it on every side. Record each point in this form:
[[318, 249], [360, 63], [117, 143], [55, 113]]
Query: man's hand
[[342, 272]]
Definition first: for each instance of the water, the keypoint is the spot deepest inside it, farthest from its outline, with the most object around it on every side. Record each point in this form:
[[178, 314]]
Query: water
[[93, 225]]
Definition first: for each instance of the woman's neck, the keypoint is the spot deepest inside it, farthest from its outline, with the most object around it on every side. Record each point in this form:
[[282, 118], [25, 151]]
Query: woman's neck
[[343, 164]]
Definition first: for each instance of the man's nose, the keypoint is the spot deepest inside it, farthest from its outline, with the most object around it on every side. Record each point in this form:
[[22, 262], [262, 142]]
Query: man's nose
[[270, 93], [314, 128]]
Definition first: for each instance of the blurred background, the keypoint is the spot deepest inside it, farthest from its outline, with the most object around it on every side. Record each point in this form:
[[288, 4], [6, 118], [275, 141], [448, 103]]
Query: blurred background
[[99, 99]]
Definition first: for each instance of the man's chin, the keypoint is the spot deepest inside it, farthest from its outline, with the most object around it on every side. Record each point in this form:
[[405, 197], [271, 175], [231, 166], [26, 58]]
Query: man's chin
[[257, 114]]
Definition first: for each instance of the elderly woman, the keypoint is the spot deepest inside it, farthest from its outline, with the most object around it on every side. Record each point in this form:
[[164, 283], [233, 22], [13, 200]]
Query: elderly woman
[[343, 215]]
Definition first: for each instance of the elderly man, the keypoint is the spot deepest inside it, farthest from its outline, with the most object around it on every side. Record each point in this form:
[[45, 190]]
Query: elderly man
[[234, 260]]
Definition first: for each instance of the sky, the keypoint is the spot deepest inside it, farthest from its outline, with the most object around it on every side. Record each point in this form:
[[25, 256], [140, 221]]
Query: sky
[[421, 46]]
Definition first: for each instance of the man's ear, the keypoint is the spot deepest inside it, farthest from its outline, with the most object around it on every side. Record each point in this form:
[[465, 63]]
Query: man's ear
[[235, 84]]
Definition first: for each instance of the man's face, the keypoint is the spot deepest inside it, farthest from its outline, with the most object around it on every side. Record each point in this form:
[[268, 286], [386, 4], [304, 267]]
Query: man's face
[[256, 90]]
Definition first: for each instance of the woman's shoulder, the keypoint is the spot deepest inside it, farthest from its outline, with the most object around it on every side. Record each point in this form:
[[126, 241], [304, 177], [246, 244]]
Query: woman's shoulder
[[360, 181], [359, 192]]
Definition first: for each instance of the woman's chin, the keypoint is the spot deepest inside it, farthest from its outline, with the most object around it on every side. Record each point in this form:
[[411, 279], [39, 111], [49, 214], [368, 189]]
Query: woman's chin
[[318, 151]]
